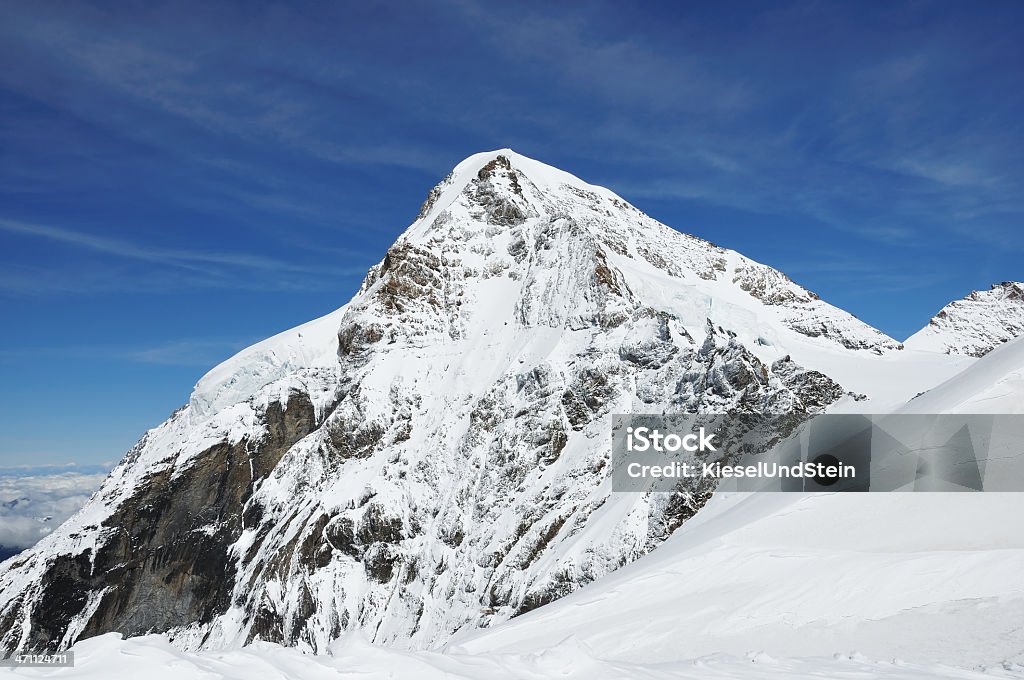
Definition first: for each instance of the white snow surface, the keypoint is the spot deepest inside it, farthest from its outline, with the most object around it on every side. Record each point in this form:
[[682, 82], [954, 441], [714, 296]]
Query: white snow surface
[[995, 384], [108, 657], [301, 350], [924, 577]]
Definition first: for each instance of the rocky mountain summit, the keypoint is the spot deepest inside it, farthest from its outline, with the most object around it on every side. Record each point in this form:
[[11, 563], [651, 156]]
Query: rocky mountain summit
[[977, 324], [433, 457]]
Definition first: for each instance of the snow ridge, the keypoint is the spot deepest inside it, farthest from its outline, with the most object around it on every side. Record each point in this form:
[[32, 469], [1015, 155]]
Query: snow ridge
[[976, 324]]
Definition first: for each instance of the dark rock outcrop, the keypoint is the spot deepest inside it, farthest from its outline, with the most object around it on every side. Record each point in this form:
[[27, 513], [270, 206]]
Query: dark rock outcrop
[[163, 561]]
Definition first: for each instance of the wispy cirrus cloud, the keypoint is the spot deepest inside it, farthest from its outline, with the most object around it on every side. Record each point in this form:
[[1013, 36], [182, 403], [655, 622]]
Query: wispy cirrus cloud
[[189, 259], [185, 352], [168, 268], [189, 352], [863, 277], [284, 100]]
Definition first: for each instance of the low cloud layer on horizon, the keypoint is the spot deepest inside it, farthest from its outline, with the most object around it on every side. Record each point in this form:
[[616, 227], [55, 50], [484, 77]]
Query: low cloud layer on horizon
[[33, 505]]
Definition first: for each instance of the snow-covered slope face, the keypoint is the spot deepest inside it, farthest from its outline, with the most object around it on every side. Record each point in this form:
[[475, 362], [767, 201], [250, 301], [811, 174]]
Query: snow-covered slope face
[[976, 324], [994, 384], [433, 457], [922, 577]]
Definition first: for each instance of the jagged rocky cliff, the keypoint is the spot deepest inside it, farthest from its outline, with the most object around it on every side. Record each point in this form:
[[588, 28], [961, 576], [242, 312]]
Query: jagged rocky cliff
[[977, 324], [433, 456]]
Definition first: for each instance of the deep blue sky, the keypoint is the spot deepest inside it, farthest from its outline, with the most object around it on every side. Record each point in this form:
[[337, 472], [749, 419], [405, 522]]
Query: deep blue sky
[[178, 180]]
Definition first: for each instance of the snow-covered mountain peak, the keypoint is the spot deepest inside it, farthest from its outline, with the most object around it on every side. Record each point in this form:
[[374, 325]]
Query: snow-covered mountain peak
[[976, 324], [503, 188], [502, 166], [508, 239], [496, 208], [433, 456]]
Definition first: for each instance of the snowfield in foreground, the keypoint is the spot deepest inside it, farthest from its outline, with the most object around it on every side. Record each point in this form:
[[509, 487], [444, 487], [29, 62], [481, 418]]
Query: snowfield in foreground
[[922, 577], [154, 658], [756, 586]]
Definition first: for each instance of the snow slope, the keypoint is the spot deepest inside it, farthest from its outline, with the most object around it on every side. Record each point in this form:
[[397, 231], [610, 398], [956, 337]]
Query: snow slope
[[921, 577], [280, 360], [924, 577], [109, 658], [995, 384]]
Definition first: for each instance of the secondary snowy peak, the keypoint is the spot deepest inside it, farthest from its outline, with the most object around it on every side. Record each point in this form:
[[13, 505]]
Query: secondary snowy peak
[[976, 324]]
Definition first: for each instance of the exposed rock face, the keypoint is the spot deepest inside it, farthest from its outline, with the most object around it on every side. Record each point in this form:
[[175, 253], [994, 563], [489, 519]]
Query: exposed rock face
[[434, 455], [164, 560], [977, 324], [804, 311]]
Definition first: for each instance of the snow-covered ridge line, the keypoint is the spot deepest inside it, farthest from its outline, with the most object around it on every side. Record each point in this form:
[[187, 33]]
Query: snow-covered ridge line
[[976, 324], [307, 348]]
